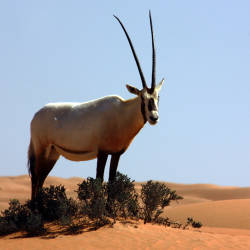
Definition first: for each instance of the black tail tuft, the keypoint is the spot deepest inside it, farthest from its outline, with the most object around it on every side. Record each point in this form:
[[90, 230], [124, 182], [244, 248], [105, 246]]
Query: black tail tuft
[[31, 160]]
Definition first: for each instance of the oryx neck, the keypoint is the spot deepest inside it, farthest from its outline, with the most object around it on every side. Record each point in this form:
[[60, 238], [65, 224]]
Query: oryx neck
[[138, 105]]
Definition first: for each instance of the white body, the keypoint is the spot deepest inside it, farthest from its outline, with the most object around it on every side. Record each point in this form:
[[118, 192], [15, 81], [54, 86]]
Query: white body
[[78, 131]]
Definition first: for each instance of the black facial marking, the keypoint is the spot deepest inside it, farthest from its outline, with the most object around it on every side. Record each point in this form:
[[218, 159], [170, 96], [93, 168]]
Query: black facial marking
[[151, 104], [143, 109]]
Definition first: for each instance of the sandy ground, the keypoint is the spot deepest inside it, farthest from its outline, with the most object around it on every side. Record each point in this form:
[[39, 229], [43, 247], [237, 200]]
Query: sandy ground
[[224, 212]]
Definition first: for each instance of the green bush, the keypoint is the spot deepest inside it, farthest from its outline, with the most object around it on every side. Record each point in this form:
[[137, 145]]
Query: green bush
[[52, 204], [113, 199], [20, 218], [97, 201], [122, 197], [90, 189], [193, 223], [92, 194], [155, 196], [34, 224]]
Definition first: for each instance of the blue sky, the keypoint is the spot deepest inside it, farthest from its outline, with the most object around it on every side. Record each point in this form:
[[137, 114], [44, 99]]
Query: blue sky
[[76, 51]]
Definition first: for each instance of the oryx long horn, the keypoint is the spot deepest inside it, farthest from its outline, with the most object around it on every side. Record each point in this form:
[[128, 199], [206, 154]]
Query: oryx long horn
[[153, 55], [144, 84]]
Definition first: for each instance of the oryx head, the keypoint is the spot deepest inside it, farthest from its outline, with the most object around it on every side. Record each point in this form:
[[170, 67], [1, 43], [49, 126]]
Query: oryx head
[[149, 96]]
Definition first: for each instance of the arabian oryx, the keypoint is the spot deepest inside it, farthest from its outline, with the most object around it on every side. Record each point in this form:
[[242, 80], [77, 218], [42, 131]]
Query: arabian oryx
[[94, 129]]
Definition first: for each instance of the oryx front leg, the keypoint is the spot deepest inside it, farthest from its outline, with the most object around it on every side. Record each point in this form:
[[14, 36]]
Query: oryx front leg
[[101, 162], [113, 166]]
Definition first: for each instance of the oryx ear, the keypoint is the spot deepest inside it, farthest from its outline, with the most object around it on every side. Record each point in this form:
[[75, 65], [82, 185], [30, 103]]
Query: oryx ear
[[158, 87], [132, 89]]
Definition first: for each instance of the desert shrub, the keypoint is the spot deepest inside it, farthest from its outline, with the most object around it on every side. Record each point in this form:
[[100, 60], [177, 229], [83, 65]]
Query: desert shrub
[[52, 204], [113, 199], [90, 189], [155, 196], [97, 201], [165, 221], [196, 224], [118, 199], [9, 219], [93, 197], [5, 227], [34, 224], [193, 223], [20, 217], [122, 197], [15, 216]]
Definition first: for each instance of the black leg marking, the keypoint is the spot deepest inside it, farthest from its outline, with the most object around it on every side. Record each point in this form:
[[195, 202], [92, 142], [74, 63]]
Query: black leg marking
[[101, 162], [47, 167], [113, 166]]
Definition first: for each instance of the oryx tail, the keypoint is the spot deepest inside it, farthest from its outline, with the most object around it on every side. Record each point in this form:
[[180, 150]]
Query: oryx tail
[[31, 160]]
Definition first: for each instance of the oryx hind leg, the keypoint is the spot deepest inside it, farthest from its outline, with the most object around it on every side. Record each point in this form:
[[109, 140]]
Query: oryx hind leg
[[45, 161]]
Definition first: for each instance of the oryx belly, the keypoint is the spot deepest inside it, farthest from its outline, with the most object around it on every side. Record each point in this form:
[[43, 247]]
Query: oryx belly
[[75, 155]]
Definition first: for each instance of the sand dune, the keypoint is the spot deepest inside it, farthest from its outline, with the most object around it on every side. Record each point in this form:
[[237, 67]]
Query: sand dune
[[211, 192], [140, 237], [224, 212]]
